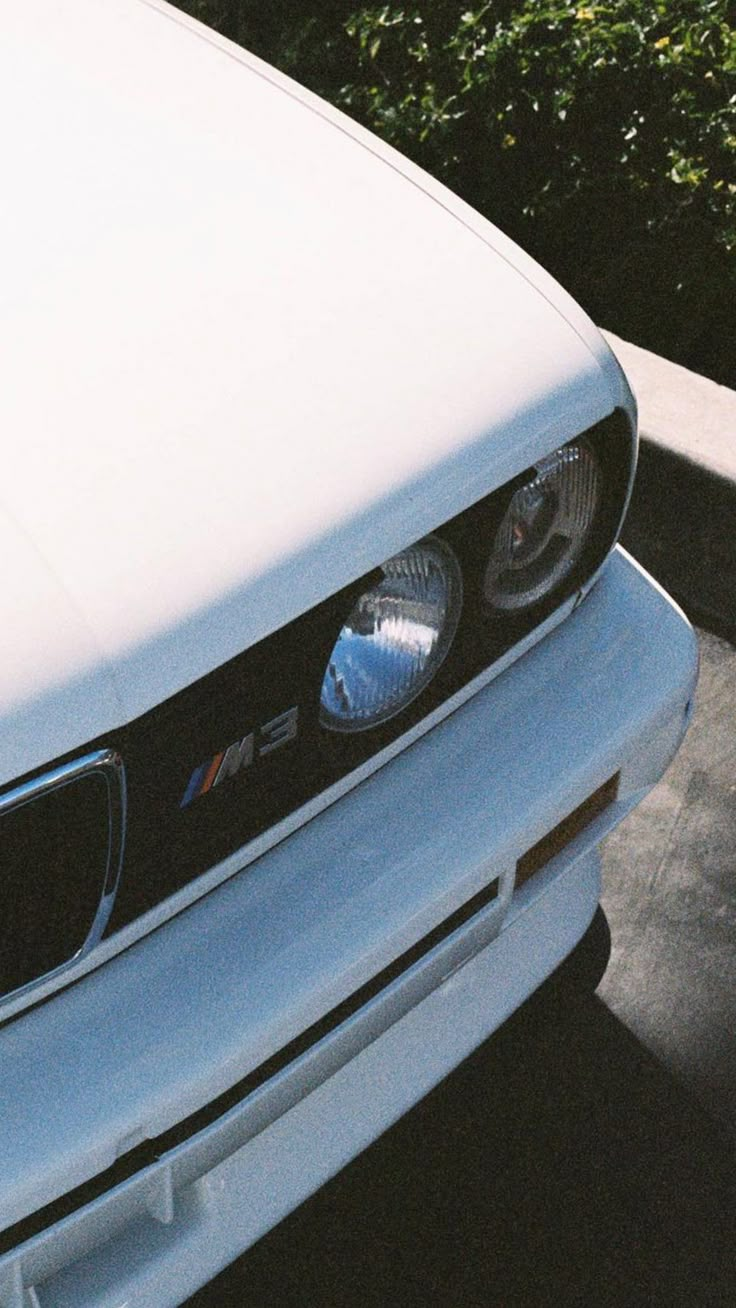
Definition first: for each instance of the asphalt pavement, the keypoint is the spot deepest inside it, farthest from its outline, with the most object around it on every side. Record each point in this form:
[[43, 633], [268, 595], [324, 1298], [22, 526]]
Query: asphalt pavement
[[670, 896], [586, 1154]]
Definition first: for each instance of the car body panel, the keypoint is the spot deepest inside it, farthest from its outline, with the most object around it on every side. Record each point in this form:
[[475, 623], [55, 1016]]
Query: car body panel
[[55, 686], [199, 1004], [190, 297]]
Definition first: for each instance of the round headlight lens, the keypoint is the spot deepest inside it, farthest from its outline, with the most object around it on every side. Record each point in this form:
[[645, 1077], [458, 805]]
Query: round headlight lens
[[545, 528], [395, 638]]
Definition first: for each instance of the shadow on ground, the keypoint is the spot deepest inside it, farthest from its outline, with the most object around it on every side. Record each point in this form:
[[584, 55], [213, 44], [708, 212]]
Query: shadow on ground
[[561, 1164], [670, 896]]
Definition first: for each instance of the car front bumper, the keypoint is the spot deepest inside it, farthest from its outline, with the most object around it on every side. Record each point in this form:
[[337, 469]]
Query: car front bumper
[[95, 1081]]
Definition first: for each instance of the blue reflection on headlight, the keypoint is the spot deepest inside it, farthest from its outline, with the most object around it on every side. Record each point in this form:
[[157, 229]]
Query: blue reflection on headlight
[[395, 638]]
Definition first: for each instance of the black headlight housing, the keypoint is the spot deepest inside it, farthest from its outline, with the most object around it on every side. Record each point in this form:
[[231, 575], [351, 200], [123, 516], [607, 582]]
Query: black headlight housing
[[516, 572]]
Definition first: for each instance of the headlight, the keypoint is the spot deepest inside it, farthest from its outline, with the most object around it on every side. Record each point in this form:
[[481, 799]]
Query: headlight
[[395, 638], [545, 528]]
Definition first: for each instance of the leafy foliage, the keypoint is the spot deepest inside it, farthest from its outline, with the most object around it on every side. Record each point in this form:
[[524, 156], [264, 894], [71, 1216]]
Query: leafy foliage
[[602, 137]]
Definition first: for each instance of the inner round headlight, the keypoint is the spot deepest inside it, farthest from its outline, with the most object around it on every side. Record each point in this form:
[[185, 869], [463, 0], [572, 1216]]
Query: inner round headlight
[[545, 528], [395, 638]]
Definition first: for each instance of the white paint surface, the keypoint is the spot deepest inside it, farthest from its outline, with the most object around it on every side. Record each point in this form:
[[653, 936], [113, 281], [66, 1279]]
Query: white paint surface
[[244, 360]]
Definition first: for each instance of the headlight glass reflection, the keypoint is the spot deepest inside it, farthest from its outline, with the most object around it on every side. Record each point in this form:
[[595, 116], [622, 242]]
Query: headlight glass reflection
[[395, 638], [545, 528]]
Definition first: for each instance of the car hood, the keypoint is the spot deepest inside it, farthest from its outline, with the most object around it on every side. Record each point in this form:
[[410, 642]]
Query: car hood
[[248, 353]]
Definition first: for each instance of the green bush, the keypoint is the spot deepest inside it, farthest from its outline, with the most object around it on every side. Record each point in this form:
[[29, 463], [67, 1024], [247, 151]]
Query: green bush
[[602, 137]]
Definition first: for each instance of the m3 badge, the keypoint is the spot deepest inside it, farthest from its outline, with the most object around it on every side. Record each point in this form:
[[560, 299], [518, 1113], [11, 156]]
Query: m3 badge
[[241, 754]]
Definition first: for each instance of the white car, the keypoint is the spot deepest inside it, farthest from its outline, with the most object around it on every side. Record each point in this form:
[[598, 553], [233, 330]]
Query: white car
[[322, 676]]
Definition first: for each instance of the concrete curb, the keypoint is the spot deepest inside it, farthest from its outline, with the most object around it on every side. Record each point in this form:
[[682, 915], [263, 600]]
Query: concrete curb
[[682, 520]]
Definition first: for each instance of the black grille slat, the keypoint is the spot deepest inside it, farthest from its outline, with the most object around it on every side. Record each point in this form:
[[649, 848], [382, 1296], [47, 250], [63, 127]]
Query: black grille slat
[[53, 856]]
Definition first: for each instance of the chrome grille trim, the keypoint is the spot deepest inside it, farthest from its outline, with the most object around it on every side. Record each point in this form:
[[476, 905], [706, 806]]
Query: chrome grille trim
[[108, 764]]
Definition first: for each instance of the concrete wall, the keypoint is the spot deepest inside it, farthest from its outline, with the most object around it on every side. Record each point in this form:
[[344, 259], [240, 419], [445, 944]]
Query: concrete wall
[[682, 521]]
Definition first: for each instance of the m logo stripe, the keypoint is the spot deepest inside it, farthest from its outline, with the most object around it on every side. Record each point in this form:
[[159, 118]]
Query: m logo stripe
[[235, 757], [212, 773], [194, 784]]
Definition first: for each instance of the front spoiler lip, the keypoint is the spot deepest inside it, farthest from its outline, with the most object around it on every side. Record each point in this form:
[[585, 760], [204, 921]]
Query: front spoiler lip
[[162, 1233], [333, 913]]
